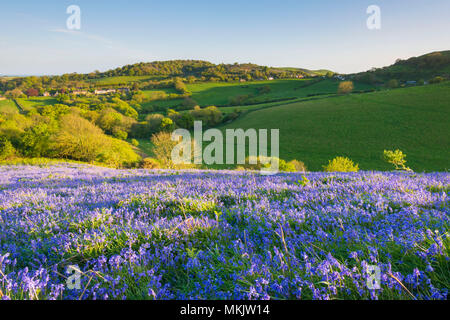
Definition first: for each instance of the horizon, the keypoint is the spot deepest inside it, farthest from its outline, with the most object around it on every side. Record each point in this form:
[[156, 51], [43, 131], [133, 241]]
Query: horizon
[[120, 66], [324, 35]]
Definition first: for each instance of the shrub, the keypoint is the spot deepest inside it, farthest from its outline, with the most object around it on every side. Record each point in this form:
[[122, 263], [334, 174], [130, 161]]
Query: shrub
[[437, 80], [298, 165], [162, 150], [392, 84], [134, 143], [345, 87], [265, 163], [150, 163], [7, 150], [78, 139], [397, 158], [120, 134], [341, 164], [117, 153]]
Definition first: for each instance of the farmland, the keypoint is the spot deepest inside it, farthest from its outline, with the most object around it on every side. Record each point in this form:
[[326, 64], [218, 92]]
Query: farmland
[[222, 94], [140, 234], [361, 126], [7, 107]]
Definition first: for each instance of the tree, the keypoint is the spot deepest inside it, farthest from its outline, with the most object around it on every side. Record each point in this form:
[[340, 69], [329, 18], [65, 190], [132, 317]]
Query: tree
[[162, 148], [35, 142], [341, 164], [78, 139], [397, 158], [6, 149], [345, 87], [32, 92], [437, 80], [393, 83]]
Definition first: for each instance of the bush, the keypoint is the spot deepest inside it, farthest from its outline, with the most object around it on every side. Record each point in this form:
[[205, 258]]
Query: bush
[[150, 163], [78, 139], [134, 143], [397, 158], [341, 164], [117, 153], [437, 80], [265, 163], [162, 150], [392, 84], [7, 150], [345, 87], [298, 165], [120, 134]]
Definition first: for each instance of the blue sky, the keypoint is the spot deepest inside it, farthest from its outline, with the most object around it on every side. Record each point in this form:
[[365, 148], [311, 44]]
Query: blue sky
[[316, 34]]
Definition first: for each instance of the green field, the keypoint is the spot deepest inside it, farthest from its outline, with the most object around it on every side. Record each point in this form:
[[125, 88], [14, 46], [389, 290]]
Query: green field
[[360, 126], [29, 104], [8, 106], [221, 93]]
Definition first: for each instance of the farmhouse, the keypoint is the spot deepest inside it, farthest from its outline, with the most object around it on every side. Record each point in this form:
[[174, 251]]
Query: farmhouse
[[107, 91], [80, 92], [46, 94]]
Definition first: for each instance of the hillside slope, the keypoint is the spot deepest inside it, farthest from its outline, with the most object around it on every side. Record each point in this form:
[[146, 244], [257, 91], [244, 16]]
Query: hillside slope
[[360, 126], [424, 68]]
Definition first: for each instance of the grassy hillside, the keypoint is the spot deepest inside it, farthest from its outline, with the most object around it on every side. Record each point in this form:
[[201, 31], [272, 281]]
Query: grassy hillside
[[416, 68], [361, 126], [8, 106], [31, 103], [222, 93]]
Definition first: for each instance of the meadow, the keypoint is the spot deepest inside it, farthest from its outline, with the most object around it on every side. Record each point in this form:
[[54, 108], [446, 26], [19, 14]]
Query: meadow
[[137, 234], [30, 103], [8, 106], [221, 94], [360, 126]]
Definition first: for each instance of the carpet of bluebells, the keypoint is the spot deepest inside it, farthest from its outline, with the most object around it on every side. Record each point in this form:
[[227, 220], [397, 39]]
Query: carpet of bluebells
[[137, 234]]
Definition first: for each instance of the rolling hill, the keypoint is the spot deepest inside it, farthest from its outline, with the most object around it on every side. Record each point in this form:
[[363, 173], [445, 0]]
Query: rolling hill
[[360, 126], [420, 68]]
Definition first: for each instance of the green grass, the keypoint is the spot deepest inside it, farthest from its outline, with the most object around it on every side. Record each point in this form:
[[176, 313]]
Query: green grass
[[220, 93], [29, 104], [8, 106], [146, 146], [360, 126]]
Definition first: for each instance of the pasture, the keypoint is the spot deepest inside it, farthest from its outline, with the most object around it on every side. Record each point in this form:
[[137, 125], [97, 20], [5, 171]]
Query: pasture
[[8, 106], [360, 126]]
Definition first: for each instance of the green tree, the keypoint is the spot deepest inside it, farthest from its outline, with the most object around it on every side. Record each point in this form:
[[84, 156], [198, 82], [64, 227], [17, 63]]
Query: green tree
[[341, 164], [6, 149], [78, 139], [397, 158]]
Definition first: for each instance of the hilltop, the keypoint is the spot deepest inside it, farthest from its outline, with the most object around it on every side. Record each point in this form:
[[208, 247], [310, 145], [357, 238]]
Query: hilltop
[[422, 68]]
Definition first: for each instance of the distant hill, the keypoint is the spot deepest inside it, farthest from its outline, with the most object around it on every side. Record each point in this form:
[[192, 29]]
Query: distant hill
[[423, 68], [205, 70], [311, 73]]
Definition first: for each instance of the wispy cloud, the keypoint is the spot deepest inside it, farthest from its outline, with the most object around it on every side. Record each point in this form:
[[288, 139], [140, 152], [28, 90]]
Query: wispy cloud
[[88, 36]]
